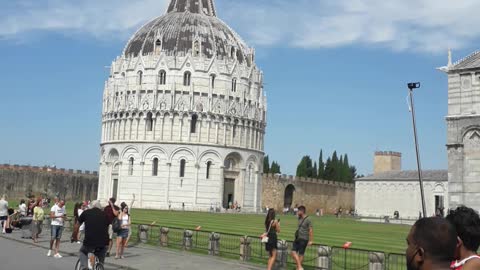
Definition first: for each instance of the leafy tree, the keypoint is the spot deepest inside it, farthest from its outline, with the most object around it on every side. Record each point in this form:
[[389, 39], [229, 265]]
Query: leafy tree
[[266, 165], [304, 168]]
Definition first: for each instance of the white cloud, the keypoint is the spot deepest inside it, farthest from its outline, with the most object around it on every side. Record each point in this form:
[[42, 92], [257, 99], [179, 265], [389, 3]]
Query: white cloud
[[421, 25]]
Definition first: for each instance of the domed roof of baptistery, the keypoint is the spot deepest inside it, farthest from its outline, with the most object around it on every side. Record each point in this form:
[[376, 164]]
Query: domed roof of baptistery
[[186, 22]]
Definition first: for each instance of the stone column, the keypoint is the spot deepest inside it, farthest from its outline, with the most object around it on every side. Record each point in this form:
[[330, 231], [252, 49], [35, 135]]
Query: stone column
[[164, 236], [199, 131], [138, 125], [189, 131], [282, 254], [250, 144], [187, 240], [181, 130], [154, 127], [376, 261], [216, 131], [144, 127], [214, 244], [162, 120], [130, 129], [197, 167], [222, 184], [142, 167], [169, 165], [255, 200], [245, 130], [119, 129], [324, 257], [224, 132], [245, 248], [209, 126], [171, 127], [232, 126]]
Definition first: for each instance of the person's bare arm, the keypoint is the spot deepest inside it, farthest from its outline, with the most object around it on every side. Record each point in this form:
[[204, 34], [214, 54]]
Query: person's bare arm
[[310, 233], [277, 226], [115, 211], [52, 215]]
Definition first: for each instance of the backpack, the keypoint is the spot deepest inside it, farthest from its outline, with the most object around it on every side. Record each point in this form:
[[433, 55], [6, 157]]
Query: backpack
[[116, 225]]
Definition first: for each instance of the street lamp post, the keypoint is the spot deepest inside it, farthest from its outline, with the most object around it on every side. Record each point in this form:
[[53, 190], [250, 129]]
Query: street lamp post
[[411, 87]]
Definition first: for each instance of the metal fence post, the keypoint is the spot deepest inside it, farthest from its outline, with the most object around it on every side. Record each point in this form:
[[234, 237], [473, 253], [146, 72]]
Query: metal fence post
[[143, 233], [245, 248], [214, 244], [282, 254], [376, 261], [187, 240], [324, 257], [164, 236]]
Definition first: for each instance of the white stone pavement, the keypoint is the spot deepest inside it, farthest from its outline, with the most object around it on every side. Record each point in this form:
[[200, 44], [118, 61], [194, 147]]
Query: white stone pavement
[[18, 253]]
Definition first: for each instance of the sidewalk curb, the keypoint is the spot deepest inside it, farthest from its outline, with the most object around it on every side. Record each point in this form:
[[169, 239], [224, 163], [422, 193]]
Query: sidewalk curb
[[68, 253]]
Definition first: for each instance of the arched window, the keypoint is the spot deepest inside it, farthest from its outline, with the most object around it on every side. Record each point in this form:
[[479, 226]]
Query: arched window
[[130, 166], [212, 81], [149, 122], [162, 77], [186, 78], [183, 162], [193, 124], [155, 167], [139, 77], [158, 46], [229, 164], [209, 165], [196, 48], [234, 85], [250, 173]]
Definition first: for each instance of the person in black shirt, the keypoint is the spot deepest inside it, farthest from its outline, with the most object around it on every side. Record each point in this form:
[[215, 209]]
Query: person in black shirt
[[96, 234]]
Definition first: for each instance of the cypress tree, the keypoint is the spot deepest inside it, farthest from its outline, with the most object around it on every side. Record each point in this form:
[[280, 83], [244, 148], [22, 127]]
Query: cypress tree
[[315, 170], [321, 166], [266, 165]]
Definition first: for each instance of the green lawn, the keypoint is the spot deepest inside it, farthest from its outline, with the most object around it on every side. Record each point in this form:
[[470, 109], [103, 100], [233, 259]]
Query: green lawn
[[327, 230]]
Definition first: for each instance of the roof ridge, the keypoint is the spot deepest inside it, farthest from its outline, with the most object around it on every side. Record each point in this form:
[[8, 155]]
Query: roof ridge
[[466, 58]]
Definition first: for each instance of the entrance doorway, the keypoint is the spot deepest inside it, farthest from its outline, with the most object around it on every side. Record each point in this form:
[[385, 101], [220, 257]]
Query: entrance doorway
[[115, 188], [439, 205], [228, 193], [288, 199]]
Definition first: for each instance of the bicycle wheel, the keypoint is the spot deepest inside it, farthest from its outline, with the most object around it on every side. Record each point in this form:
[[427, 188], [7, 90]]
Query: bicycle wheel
[[99, 266], [78, 265]]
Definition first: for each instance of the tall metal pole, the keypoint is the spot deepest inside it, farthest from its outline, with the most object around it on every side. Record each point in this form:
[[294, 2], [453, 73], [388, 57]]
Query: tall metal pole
[[412, 86]]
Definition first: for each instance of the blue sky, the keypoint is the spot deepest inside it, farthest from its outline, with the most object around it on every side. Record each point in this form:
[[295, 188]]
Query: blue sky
[[336, 74]]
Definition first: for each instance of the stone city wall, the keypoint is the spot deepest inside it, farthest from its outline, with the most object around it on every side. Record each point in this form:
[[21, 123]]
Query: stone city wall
[[18, 181], [313, 193]]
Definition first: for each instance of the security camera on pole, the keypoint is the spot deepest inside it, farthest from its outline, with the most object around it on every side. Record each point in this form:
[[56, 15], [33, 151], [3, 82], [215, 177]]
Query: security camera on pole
[[411, 87]]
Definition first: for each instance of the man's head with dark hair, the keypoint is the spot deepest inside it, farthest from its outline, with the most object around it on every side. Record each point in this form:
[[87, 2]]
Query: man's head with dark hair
[[431, 244], [301, 211], [113, 200], [467, 223]]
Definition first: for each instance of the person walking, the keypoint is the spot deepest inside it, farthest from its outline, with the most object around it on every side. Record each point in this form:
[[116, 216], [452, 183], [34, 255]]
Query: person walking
[[272, 227], [122, 235], [112, 212], [38, 217], [303, 237], [3, 212], [96, 234], [467, 223], [58, 216], [74, 237]]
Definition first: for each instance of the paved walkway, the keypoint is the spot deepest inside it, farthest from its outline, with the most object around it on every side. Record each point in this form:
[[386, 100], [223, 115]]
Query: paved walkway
[[18, 253]]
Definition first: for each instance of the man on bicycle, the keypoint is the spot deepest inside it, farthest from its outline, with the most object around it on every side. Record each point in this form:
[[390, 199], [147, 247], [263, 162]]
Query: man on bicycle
[[96, 234]]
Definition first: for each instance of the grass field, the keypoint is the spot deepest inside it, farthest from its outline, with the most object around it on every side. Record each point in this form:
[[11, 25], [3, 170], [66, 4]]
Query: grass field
[[327, 230]]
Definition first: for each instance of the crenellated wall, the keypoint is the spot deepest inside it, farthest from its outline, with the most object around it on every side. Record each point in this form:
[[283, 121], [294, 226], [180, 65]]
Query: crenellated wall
[[313, 193], [17, 181]]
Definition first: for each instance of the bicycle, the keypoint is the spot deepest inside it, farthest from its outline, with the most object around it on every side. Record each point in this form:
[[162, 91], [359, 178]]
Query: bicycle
[[93, 263]]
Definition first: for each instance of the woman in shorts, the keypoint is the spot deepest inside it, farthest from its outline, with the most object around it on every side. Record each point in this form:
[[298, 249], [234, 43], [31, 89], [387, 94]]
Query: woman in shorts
[[122, 235], [272, 227]]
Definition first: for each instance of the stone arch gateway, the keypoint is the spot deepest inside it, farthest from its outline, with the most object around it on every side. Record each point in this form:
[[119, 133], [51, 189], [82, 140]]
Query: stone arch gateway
[[288, 197]]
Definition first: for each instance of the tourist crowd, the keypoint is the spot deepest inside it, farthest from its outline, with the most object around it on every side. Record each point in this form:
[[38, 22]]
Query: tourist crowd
[[433, 243]]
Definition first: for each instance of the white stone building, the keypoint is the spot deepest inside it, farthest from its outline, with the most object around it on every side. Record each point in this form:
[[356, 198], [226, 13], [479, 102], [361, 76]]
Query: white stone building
[[390, 189], [184, 115], [463, 127]]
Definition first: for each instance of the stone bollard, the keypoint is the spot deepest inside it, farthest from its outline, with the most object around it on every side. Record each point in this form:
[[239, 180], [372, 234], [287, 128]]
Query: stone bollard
[[245, 248], [282, 255], [164, 236], [324, 257], [214, 244], [376, 261], [187, 240], [143, 233]]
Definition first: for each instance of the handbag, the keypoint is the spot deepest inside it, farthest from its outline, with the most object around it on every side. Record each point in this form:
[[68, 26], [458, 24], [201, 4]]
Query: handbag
[[265, 235], [296, 232], [116, 225]]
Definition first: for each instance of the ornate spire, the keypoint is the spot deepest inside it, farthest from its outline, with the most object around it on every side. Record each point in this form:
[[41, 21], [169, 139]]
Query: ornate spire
[[204, 7]]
